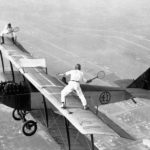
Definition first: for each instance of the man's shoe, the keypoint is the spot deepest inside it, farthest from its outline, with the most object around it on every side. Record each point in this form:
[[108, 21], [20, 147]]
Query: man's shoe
[[85, 107], [63, 105], [2, 43]]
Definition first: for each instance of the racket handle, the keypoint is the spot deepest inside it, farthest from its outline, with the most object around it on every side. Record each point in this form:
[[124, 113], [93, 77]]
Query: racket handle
[[93, 78], [88, 81]]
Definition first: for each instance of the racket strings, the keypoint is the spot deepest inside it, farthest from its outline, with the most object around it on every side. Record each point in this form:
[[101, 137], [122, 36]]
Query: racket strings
[[101, 74]]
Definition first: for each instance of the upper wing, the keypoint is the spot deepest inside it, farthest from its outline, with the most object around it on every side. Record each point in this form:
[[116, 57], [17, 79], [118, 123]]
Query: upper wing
[[85, 121]]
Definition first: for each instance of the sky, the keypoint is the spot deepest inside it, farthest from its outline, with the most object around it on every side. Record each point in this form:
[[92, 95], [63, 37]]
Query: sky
[[101, 34]]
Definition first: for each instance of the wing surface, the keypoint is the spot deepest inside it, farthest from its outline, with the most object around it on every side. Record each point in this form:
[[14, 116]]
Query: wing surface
[[84, 120]]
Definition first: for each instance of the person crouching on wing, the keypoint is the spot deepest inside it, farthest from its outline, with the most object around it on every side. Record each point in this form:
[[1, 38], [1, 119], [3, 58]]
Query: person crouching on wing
[[7, 30], [76, 77]]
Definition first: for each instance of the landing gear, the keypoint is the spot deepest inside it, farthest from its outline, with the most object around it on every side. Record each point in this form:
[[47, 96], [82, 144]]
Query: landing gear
[[16, 114], [29, 127]]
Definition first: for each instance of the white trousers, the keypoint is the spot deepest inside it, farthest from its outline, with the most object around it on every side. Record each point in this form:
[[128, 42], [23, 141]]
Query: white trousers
[[12, 34], [71, 87]]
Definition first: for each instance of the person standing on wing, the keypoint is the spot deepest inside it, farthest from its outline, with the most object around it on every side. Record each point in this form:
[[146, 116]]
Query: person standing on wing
[[76, 77], [7, 30]]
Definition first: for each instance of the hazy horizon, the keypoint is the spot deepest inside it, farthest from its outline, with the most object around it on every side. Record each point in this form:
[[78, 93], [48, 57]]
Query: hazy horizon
[[102, 34]]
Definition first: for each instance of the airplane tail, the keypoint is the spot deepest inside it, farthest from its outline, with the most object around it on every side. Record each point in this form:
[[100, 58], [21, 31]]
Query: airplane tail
[[143, 81]]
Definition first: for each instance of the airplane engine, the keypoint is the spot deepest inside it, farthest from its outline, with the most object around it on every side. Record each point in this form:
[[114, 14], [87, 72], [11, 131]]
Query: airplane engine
[[18, 96], [15, 95]]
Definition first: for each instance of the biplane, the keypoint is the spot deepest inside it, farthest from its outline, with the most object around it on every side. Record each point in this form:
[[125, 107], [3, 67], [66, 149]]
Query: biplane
[[35, 77]]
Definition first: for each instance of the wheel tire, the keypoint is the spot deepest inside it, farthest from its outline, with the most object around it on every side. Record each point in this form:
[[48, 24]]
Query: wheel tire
[[29, 128], [16, 115]]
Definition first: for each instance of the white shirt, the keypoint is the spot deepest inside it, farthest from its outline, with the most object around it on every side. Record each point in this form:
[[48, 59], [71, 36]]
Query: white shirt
[[6, 30], [76, 75]]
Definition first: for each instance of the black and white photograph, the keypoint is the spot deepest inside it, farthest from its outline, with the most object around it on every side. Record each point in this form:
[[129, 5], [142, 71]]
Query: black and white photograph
[[74, 74]]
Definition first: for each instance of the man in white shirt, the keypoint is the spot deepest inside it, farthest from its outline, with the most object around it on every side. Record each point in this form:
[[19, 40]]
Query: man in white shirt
[[76, 77], [7, 30]]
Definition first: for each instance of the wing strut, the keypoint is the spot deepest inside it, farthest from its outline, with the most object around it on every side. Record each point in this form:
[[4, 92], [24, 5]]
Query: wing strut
[[68, 134], [2, 61], [46, 112], [92, 141], [12, 71]]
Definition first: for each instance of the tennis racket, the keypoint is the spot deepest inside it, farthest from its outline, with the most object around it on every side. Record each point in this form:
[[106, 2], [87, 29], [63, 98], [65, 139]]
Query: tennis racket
[[100, 75], [15, 29]]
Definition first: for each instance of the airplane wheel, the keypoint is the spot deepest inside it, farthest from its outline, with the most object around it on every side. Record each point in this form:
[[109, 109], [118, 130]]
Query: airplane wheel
[[16, 115], [29, 128]]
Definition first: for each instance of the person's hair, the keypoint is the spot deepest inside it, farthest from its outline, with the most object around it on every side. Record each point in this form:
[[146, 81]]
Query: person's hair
[[78, 67], [9, 24]]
